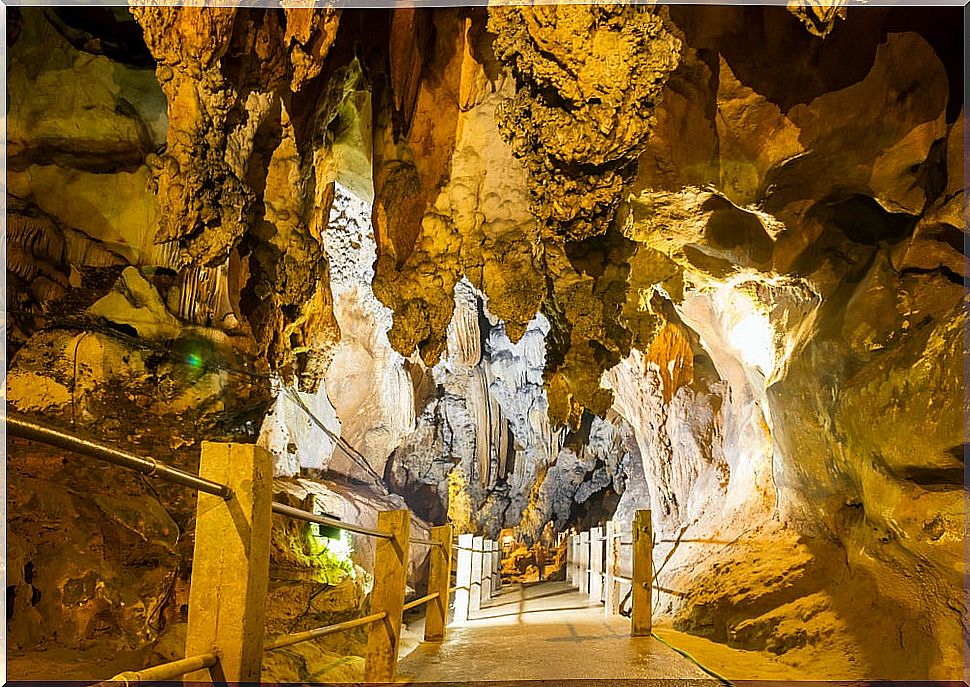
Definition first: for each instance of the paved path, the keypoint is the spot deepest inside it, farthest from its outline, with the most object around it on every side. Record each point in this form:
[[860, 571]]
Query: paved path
[[547, 631]]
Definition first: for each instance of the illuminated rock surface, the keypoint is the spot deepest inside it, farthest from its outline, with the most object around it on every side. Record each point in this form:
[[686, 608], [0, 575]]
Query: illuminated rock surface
[[527, 268]]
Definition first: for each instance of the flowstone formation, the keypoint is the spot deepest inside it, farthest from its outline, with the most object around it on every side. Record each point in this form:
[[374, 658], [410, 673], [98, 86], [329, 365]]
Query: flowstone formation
[[449, 205], [469, 439], [449, 202], [800, 312], [484, 451]]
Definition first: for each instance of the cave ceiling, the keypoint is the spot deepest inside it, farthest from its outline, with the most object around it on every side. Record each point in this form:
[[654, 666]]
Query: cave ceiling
[[578, 161]]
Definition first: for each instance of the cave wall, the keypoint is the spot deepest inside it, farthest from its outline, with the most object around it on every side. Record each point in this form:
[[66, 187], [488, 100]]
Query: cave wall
[[823, 339], [111, 334]]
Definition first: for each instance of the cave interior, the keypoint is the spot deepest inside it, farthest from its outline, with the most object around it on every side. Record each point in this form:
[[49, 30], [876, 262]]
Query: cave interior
[[524, 269]]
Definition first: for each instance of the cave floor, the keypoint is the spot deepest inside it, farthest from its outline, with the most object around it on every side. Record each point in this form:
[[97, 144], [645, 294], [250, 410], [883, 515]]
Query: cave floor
[[546, 631]]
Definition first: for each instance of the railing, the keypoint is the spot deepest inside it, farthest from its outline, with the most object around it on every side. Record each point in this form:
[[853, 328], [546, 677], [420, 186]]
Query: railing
[[230, 567], [477, 574], [592, 566]]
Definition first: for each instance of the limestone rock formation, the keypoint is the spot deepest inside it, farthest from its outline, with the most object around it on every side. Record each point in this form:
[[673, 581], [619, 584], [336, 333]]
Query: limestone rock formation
[[234, 154], [577, 120], [818, 19], [449, 202], [789, 288], [520, 268]]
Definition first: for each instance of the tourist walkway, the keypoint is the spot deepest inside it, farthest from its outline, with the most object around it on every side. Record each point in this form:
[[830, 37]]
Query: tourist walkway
[[547, 631]]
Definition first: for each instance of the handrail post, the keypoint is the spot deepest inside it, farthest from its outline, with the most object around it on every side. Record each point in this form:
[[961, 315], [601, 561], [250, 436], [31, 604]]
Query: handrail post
[[574, 570], [463, 578], [584, 562], [487, 569], [475, 598], [496, 567], [642, 623], [230, 565], [569, 560], [609, 595], [596, 564], [390, 580], [439, 579]]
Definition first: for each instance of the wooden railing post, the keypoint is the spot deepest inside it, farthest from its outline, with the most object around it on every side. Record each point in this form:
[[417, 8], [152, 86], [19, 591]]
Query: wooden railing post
[[439, 579], [475, 599], [463, 578], [569, 560], [642, 622], [584, 562], [230, 564], [390, 579], [609, 591], [596, 564]]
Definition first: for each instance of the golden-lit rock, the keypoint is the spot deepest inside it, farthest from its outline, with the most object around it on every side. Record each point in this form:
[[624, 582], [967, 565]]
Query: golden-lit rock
[[684, 147], [202, 195], [818, 18], [753, 137], [133, 302], [476, 222], [577, 120], [853, 148]]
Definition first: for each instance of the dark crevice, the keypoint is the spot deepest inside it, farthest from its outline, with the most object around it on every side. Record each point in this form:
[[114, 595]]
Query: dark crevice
[[941, 270]]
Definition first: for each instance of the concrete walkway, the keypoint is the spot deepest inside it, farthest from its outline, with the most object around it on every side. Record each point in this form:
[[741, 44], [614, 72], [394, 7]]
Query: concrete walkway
[[547, 631]]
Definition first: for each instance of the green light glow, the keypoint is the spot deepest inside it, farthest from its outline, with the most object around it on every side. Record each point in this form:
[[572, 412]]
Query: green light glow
[[333, 553], [194, 360]]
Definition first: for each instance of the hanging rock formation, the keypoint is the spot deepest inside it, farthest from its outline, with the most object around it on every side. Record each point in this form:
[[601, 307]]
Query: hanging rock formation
[[579, 121]]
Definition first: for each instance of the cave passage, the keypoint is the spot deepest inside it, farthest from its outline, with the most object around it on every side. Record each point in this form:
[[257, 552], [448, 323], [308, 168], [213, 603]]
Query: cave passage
[[524, 271]]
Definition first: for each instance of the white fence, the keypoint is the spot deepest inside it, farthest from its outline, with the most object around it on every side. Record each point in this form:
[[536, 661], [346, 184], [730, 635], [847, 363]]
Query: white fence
[[608, 565]]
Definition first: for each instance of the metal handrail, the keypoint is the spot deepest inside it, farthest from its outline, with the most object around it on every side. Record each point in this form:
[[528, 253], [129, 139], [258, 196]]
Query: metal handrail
[[306, 516], [297, 637], [25, 428], [426, 542], [417, 602], [167, 671]]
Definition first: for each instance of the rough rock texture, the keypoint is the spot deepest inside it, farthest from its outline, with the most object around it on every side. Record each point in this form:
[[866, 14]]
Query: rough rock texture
[[79, 128], [818, 19], [814, 344], [449, 201], [218, 70], [113, 336], [367, 380], [237, 171], [122, 585], [484, 451], [579, 121]]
